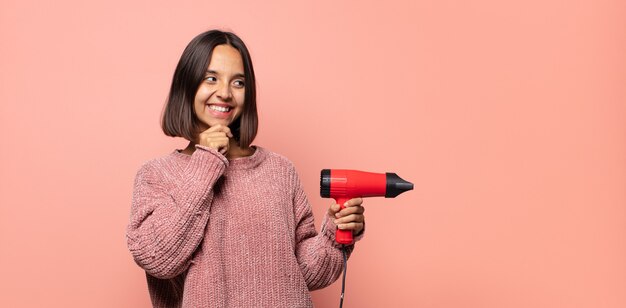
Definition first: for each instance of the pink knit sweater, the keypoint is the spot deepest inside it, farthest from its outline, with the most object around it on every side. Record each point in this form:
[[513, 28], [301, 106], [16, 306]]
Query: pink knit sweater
[[210, 232]]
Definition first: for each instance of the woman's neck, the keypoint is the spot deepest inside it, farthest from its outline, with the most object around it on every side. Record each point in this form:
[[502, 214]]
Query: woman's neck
[[234, 150]]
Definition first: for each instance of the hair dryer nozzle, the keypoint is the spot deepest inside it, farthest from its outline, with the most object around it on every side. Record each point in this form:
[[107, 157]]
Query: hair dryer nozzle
[[396, 185], [325, 183]]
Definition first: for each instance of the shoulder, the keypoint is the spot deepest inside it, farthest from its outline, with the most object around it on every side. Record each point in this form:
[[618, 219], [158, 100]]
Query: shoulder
[[282, 170], [157, 167], [277, 160]]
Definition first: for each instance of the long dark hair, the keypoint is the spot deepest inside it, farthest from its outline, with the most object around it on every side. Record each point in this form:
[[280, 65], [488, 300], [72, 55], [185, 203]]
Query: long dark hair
[[179, 118]]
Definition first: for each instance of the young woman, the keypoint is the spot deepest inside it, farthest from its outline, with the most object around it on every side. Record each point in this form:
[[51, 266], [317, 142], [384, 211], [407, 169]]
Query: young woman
[[223, 223]]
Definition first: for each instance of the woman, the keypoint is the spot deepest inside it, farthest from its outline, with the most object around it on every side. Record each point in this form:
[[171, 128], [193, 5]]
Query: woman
[[222, 223]]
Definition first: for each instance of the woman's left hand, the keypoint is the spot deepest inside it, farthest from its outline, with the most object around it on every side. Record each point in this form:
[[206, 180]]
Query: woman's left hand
[[351, 217]]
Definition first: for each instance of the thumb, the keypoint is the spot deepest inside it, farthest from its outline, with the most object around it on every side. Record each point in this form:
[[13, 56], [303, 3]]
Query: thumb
[[333, 209]]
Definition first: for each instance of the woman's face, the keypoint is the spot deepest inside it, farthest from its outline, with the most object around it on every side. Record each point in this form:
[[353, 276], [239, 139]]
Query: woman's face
[[220, 97]]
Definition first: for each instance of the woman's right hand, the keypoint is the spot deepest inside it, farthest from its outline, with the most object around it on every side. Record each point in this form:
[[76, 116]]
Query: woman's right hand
[[216, 137]]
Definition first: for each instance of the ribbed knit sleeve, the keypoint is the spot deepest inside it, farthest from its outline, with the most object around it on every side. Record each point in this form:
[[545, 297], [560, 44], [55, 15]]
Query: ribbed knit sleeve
[[318, 254], [169, 213]]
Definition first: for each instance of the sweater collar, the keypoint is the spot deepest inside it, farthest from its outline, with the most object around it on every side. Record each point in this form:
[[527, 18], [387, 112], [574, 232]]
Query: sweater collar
[[246, 162]]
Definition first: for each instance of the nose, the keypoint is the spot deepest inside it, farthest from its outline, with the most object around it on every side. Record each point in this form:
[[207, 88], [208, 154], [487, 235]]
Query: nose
[[223, 91]]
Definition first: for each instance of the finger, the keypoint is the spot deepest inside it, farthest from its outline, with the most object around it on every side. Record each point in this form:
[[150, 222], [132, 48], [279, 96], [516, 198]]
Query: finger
[[214, 128], [351, 210], [219, 128], [219, 140], [353, 202], [350, 218], [224, 148], [223, 128], [333, 209], [351, 226], [228, 132], [215, 134], [218, 143]]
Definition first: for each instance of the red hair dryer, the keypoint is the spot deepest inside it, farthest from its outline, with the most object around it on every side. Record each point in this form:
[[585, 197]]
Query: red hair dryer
[[343, 185]]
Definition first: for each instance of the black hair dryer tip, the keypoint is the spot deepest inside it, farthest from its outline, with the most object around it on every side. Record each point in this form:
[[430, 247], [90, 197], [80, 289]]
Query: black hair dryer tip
[[396, 185]]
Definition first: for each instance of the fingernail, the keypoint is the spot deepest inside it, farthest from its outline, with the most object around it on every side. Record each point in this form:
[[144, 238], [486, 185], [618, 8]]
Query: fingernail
[[340, 226], [337, 215], [336, 221]]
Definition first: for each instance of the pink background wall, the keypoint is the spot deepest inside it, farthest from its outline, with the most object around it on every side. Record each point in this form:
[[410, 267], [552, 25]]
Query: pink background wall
[[509, 118]]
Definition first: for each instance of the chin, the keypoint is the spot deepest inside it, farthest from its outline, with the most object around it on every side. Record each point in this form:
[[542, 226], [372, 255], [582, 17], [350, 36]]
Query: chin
[[224, 122], [219, 122]]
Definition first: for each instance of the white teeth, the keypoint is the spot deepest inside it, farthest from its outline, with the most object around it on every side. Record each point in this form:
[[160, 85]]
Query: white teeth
[[220, 108]]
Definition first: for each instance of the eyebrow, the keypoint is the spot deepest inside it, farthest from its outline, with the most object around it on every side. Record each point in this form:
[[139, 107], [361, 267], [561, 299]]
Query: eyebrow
[[237, 75]]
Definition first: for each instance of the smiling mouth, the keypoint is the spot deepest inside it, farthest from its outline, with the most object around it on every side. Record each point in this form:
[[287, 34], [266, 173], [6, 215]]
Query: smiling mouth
[[220, 108]]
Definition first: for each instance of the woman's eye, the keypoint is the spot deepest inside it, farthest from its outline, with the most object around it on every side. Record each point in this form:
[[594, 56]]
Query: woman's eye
[[239, 83], [210, 79]]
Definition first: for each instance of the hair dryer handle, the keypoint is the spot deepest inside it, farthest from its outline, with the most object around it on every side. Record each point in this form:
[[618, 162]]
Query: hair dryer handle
[[343, 236]]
